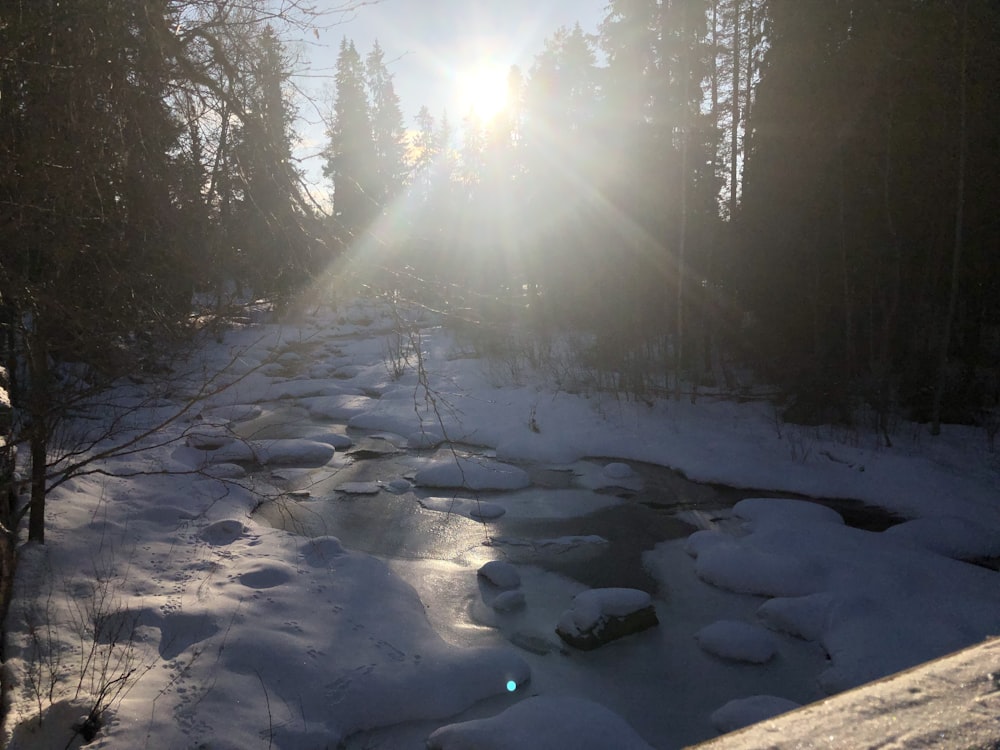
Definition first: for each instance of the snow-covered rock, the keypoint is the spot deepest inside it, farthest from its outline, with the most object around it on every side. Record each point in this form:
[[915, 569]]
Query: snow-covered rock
[[542, 723], [473, 474], [746, 570], [501, 574], [801, 616], [339, 407], [738, 640], [599, 616]]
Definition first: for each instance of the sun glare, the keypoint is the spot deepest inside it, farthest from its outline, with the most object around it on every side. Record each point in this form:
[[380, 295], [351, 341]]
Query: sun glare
[[483, 90]]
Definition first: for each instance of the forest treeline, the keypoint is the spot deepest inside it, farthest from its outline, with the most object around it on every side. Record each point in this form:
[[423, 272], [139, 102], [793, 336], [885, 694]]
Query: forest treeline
[[145, 157], [714, 193], [803, 189]]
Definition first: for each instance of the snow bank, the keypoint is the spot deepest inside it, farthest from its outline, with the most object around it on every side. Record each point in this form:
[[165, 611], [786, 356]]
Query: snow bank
[[877, 602], [950, 536], [743, 712], [542, 723], [473, 474]]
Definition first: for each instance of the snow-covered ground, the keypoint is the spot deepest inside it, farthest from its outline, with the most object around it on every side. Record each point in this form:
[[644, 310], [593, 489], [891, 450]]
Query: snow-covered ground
[[160, 597]]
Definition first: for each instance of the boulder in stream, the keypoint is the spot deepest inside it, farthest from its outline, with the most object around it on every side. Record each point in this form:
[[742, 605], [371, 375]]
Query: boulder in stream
[[599, 616]]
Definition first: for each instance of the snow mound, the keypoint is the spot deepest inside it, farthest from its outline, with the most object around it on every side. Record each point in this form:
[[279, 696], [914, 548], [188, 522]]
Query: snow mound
[[743, 712], [321, 551], [266, 575], [397, 486], [283, 452], [508, 601], [359, 488], [473, 474], [954, 537], [542, 723], [341, 407], [223, 532], [701, 540], [500, 574], [738, 640], [801, 616], [745, 570]]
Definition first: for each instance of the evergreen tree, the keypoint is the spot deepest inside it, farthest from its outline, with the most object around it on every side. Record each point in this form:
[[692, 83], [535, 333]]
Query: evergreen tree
[[388, 130], [426, 150], [350, 154], [267, 225], [851, 219], [87, 209]]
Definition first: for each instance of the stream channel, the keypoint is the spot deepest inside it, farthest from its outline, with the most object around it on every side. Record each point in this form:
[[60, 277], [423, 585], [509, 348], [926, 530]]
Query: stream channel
[[573, 528]]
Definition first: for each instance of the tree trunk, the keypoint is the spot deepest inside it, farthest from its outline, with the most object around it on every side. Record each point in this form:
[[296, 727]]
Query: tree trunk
[[956, 255], [734, 134], [38, 400]]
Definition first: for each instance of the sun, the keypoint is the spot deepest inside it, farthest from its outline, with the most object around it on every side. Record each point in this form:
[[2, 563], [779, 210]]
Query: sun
[[483, 91]]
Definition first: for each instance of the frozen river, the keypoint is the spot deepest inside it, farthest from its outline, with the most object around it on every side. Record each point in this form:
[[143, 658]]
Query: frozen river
[[571, 529]]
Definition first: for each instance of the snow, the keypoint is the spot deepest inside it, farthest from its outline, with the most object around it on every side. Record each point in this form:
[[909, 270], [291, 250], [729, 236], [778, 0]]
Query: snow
[[592, 606], [244, 635], [949, 536], [508, 601], [281, 452], [738, 640], [473, 474], [359, 488], [743, 712], [500, 574], [542, 723]]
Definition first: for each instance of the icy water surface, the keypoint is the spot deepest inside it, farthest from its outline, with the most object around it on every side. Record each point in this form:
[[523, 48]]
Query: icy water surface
[[568, 531]]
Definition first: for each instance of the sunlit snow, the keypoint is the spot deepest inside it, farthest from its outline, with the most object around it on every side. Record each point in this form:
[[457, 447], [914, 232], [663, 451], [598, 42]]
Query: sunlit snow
[[243, 635]]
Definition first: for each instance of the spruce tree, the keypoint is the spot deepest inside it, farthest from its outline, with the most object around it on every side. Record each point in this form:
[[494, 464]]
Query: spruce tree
[[388, 130], [350, 161]]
